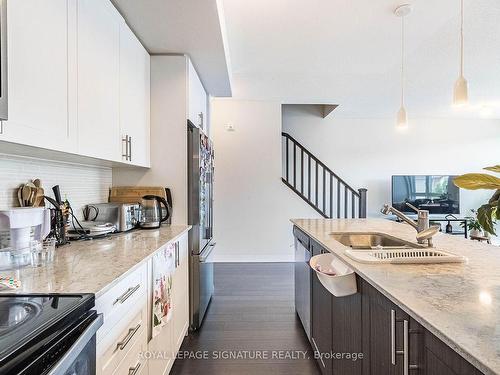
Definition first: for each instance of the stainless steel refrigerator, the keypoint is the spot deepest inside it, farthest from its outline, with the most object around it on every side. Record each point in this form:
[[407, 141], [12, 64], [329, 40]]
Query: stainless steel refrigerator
[[200, 216]]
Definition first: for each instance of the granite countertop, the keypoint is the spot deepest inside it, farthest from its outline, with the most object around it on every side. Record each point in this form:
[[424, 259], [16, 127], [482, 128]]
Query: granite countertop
[[459, 303], [95, 266]]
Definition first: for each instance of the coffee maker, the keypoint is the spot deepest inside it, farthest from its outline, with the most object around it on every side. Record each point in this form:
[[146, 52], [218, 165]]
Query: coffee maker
[[22, 231]]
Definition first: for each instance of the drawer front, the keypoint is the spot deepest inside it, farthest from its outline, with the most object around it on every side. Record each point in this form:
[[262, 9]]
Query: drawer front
[[133, 363], [128, 295], [117, 345]]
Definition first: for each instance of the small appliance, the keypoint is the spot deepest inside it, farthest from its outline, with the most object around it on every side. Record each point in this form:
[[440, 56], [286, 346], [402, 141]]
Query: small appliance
[[123, 216], [48, 334], [22, 231], [152, 214]]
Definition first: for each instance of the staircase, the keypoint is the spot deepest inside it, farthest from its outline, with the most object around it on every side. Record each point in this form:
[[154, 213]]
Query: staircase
[[317, 184]]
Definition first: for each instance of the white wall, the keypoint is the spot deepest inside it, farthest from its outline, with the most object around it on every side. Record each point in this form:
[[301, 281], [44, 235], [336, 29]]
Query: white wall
[[367, 152], [81, 184], [252, 206]]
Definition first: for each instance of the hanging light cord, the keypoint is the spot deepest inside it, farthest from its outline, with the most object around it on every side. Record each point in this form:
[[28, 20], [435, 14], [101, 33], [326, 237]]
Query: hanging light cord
[[402, 59], [461, 38]]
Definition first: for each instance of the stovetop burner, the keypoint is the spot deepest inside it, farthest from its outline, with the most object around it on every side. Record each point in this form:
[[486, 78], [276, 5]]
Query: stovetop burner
[[14, 312], [27, 318]]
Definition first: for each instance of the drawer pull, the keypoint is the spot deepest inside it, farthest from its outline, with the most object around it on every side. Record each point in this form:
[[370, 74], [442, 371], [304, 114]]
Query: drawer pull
[[127, 294], [131, 332], [134, 370]]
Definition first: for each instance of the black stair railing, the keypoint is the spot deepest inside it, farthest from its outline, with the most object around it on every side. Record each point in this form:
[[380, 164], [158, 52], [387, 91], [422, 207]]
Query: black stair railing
[[318, 185]]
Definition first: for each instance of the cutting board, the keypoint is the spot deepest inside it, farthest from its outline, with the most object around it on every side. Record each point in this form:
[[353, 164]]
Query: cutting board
[[133, 194]]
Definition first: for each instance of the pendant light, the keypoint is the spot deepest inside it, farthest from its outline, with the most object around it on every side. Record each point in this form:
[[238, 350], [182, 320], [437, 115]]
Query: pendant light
[[461, 90], [402, 118]]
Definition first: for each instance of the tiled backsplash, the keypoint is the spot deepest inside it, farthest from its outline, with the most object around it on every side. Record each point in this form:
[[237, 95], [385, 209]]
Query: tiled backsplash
[[81, 184]]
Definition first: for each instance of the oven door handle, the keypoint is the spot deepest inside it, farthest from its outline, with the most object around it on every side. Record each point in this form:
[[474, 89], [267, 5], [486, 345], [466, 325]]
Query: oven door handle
[[72, 354]]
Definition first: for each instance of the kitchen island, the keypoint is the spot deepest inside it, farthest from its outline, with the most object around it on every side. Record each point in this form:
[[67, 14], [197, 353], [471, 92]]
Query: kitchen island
[[141, 286], [458, 303]]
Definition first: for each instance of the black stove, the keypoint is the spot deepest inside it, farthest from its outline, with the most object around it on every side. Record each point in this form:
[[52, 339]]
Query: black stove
[[38, 332]]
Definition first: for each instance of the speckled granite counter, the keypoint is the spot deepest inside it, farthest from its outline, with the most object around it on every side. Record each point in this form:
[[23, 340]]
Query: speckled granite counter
[[459, 303], [95, 266]]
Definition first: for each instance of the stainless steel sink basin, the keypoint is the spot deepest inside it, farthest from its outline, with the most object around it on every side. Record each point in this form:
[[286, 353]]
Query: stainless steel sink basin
[[372, 247], [372, 240]]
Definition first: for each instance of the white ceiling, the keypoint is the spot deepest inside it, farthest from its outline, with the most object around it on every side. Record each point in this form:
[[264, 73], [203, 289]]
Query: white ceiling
[[348, 52], [193, 27]]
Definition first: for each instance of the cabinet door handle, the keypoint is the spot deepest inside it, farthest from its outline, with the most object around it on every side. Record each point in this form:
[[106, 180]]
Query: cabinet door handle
[[406, 365], [135, 369], [127, 294], [131, 332], [393, 337], [125, 140], [1, 127], [129, 148]]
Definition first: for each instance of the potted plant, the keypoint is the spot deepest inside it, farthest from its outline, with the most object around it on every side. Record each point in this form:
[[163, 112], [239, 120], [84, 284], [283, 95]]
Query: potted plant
[[473, 225], [489, 212]]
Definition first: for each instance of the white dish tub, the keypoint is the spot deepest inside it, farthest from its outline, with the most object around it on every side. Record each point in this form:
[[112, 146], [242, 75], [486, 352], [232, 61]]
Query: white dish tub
[[343, 283]]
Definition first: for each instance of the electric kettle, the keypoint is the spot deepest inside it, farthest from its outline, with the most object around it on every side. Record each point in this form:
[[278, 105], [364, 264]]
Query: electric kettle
[[151, 211]]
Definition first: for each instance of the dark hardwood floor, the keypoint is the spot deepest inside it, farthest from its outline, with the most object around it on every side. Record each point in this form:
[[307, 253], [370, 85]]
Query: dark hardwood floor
[[252, 313]]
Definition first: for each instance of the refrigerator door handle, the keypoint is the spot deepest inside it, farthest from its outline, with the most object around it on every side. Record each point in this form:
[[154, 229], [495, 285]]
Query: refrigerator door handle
[[206, 252]]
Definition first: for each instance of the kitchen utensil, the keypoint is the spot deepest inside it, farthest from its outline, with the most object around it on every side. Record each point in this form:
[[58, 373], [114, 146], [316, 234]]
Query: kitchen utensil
[[37, 182], [39, 197], [57, 194], [26, 194], [20, 196], [151, 216]]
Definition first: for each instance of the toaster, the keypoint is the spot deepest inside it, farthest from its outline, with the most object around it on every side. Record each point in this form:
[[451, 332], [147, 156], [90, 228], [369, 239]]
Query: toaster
[[124, 216]]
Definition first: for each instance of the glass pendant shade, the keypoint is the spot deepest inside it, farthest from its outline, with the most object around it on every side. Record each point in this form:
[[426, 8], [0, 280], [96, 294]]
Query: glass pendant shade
[[402, 118], [460, 92]]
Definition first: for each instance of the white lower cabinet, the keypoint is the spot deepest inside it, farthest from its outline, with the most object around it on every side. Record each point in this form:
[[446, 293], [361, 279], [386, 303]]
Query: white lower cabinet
[[124, 343], [165, 346]]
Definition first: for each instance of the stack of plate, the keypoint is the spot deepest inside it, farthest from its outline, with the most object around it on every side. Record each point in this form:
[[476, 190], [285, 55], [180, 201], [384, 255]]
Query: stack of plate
[[91, 229]]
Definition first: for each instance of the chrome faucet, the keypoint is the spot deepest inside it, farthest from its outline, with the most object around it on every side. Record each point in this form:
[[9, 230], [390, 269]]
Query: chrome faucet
[[424, 232]]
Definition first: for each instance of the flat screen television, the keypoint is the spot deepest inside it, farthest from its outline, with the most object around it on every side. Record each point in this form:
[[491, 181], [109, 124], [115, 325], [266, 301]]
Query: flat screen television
[[437, 194]]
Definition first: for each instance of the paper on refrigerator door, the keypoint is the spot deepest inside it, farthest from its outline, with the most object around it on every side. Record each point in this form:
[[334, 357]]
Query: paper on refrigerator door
[[163, 268]]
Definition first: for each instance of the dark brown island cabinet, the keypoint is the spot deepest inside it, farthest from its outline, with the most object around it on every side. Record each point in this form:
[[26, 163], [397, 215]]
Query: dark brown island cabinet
[[367, 334]]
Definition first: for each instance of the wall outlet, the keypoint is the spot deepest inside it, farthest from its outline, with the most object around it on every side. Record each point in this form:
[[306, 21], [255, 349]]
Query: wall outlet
[[230, 127]]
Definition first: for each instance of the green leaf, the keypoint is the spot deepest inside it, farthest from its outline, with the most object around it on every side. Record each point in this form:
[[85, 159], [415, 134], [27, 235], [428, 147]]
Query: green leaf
[[474, 181], [485, 218], [494, 197], [495, 168]]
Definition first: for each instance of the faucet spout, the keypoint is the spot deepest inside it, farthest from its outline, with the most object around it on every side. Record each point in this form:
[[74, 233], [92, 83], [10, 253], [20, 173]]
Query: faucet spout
[[386, 210]]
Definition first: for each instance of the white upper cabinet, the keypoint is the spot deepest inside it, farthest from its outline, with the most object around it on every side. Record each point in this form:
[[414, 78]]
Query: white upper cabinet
[[134, 99], [99, 79], [79, 81], [39, 74], [197, 100]]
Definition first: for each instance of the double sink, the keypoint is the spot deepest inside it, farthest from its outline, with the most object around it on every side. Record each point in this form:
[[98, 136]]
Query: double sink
[[373, 247]]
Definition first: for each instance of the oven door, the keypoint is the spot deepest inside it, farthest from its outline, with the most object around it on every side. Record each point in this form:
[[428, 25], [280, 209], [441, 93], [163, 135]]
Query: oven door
[[3, 61], [80, 357]]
